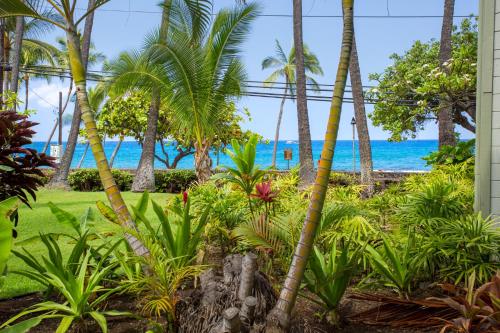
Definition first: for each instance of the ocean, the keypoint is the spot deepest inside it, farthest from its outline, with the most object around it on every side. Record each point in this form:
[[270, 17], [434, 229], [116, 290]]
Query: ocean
[[394, 156]]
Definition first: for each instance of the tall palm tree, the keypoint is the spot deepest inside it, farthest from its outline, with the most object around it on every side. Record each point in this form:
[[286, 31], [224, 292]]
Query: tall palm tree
[[306, 171], [285, 69], [279, 318], [64, 12], [198, 70], [365, 149], [144, 177], [445, 115]]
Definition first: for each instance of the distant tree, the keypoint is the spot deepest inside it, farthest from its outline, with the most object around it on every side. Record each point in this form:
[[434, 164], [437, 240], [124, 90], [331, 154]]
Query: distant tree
[[410, 91], [285, 68]]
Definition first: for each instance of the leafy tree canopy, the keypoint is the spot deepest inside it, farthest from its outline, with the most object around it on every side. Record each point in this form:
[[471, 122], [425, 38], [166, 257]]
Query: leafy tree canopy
[[409, 92]]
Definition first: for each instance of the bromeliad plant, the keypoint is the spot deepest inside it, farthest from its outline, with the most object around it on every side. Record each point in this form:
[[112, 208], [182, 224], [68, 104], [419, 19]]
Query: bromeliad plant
[[329, 275], [79, 282]]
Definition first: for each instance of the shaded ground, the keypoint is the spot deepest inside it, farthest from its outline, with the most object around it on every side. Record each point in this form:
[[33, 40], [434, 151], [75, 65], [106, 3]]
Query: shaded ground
[[306, 313]]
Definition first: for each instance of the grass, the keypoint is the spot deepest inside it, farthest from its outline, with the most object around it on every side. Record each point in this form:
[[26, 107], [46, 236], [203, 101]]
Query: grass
[[40, 220]]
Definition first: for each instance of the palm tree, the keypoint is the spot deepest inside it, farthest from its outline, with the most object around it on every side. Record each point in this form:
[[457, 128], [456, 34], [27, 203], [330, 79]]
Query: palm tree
[[365, 149], [144, 177], [279, 318], [306, 171], [198, 70], [63, 10], [285, 68], [445, 115]]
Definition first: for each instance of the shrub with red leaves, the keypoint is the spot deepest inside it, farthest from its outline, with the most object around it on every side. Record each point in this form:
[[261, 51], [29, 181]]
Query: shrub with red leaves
[[20, 172], [264, 192]]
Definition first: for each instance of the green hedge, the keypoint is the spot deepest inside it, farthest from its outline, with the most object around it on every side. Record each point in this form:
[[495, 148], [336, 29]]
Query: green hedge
[[87, 180], [171, 181]]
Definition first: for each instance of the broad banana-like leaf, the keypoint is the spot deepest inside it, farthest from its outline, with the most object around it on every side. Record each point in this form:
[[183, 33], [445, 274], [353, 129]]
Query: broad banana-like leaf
[[6, 238]]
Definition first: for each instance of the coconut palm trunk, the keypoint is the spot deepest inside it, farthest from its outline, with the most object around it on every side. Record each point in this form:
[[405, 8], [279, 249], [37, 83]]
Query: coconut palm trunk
[[115, 152], [278, 125], [145, 176], [305, 146], [202, 160], [60, 178], [279, 318], [365, 149], [26, 93], [111, 189], [445, 115], [16, 58]]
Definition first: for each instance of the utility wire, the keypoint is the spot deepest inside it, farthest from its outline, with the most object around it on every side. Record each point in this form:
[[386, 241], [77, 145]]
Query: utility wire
[[304, 16]]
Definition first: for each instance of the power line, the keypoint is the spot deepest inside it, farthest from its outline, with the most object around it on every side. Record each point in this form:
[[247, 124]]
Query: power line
[[290, 15]]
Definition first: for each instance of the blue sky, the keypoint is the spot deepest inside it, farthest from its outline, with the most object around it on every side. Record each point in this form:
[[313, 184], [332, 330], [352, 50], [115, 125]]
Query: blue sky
[[116, 29]]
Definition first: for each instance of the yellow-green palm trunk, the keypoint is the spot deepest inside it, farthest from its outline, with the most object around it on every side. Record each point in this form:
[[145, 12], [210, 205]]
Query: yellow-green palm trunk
[[108, 182], [281, 312]]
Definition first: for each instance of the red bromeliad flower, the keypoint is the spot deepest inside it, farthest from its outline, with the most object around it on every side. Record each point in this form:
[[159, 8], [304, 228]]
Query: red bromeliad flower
[[264, 192], [185, 197]]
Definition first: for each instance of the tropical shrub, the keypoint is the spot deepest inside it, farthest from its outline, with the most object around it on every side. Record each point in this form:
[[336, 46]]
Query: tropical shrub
[[20, 167], [461, 247], [79, 282], [87, 180], [392, 262], [329, 275], [462, 152], [174, 181], [246, 174], [171, 181]]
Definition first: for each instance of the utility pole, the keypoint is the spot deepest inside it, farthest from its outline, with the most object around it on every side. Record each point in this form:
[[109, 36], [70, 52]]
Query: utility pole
[[59, 142], [353, 123]]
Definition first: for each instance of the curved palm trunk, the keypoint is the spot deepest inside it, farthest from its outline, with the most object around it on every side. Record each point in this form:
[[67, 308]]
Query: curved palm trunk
[[279, 318], [365, 149], [144, 176], [202, 161], [80, 163], [115, 152], [306, 171], [18, 42], [278, 125], [445, 115], [60, 179], [112, 191]]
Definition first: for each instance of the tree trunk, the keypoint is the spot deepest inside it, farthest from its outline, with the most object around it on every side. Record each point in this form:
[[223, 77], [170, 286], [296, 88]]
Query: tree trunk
[[445, 114], [57, 123], [365, 149], [80, 163], [27, 87], [144, 176], [18, 42], [144, 179], [112, 191], [278, 125], [306, 171], [279, 318], [202, 161], [60, 178], [115, 152]]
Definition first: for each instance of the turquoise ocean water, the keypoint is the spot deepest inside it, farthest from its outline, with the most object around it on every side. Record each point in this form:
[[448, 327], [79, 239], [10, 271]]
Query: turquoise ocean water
[[386, 155]]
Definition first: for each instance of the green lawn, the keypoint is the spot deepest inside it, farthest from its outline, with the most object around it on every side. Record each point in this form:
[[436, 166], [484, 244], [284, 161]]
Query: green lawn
[[40, 220]]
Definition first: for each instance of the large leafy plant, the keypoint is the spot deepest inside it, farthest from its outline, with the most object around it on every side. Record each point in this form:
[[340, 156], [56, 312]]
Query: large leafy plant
[[20, 167], [246, 174], [79, 282], [329, 275], [7, 207], [463, 151]]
